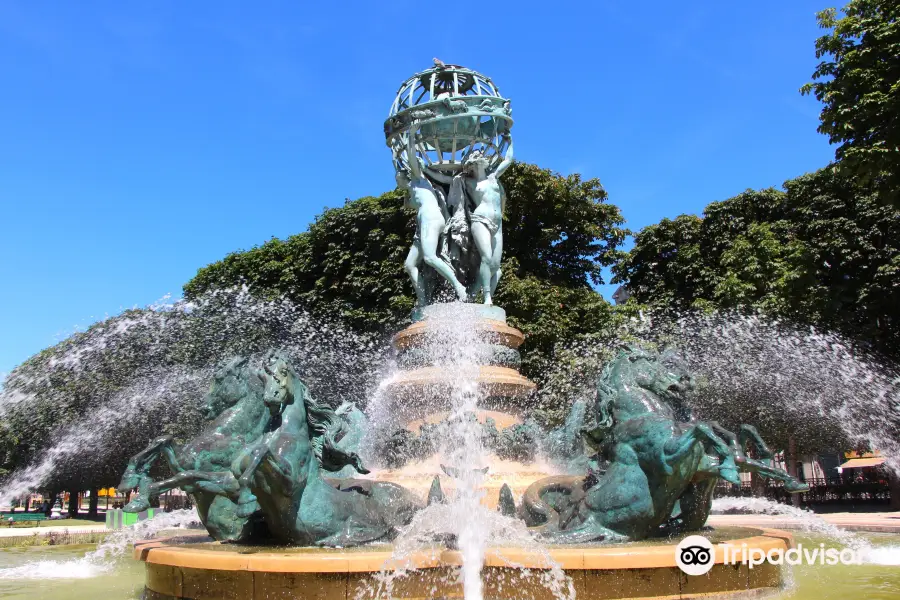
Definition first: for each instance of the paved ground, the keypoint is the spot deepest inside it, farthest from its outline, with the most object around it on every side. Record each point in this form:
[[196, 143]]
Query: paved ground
[[23, 531], [884, 522]]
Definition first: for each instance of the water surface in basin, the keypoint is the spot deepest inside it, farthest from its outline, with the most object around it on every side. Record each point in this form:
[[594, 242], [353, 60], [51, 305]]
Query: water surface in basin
[[878, 579], [61, 573]]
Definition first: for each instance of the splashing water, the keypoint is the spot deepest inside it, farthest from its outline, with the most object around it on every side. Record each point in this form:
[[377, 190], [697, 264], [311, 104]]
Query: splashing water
[[766, 372], [816, 383], [145, 372], [440, 521], [455, 343], [806, 519], [810, 522], [138, 403], [452, 343], [103, 559]]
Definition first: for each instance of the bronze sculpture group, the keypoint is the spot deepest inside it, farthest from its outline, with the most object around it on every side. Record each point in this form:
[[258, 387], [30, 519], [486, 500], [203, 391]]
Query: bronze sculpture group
[[655, 472], [271, 485], [449, 152], [273, 463], [650, 473]]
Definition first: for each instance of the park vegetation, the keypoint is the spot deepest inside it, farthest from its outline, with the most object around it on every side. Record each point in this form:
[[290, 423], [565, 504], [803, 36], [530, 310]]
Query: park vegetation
[[823, 251]]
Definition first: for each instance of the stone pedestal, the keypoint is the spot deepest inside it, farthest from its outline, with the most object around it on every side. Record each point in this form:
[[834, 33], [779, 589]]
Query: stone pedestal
[[182, 570], [424, 379], [422, 392]]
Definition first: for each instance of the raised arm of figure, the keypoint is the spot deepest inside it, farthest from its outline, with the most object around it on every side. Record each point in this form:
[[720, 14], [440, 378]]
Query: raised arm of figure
[[503, 166], [403, 184], [411, 157], [438, 176]]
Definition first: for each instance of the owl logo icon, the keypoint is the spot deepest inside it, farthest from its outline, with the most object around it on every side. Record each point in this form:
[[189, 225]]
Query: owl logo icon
[[695, 555]]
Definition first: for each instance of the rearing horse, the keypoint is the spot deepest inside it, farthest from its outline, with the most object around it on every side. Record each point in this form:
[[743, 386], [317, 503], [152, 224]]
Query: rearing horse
[[653, 458], [202, 467], [695, 503], [283, 474]]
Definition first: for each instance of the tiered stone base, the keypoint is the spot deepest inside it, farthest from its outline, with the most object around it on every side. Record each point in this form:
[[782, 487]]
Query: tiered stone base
[[494, 381], [417, 477], [206, 571], [421, 388]]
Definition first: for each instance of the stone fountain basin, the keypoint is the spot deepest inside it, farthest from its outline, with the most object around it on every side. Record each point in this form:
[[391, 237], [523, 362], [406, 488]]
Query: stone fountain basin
[[188, 567]]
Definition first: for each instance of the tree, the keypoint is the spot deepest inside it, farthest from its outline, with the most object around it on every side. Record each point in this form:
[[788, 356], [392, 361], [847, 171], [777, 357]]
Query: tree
[[664, 266], [558, 234], [858, 85], [551, 315], [824, 252]]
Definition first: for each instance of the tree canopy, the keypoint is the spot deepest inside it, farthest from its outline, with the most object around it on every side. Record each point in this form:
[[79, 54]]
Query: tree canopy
[[823, 251], [82, 407], [858, 82], [558, 232]]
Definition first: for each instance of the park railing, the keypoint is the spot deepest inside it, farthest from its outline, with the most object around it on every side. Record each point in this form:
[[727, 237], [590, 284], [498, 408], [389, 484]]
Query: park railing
[[832, 491]]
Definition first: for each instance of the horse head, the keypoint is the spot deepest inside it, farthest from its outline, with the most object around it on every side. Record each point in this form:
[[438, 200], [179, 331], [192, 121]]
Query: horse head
[[328, 428], [281, 385], [230, 384], [663, 379], [325, 427], [665, 374]]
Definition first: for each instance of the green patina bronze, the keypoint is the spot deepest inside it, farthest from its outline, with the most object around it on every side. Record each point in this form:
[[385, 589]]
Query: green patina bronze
[[643, 465], [202, 467], [247, 413], [282, 474], [257, 468], [449, 131], [658, 471]]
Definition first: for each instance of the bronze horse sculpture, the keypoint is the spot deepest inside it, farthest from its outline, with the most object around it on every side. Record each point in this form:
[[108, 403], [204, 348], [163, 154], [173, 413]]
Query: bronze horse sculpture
[[260, 463], [661, 471], [283, 473], [237, 416]]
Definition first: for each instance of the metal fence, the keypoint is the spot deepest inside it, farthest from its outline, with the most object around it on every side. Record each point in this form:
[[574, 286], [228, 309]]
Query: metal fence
[[821, 492]]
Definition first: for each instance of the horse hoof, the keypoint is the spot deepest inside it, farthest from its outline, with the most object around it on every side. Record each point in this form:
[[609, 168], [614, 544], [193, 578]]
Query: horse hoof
[[247, 509], [730, 475], [795, 487], [137, 505]]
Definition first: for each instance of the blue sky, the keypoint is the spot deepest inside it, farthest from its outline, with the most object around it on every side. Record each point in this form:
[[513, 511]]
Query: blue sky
[[141, 141]]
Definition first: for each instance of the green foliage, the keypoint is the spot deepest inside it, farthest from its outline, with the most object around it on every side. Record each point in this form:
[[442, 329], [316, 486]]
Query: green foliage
[[824, 252], [349, 263], [559, 229], [558, 233], [549, 315], [347, 267], [859, 84]]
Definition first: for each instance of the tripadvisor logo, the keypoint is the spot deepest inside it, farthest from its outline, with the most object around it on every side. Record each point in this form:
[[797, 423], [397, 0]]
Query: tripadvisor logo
[[695, 555]]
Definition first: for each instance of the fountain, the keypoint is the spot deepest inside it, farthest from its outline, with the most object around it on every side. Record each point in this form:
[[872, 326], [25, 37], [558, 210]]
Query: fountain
[[462, 507]]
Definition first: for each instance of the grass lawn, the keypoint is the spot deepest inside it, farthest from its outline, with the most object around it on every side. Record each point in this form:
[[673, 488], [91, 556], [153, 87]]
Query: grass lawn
[[71, 522], [56, 523]]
